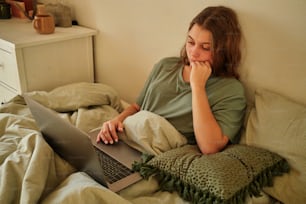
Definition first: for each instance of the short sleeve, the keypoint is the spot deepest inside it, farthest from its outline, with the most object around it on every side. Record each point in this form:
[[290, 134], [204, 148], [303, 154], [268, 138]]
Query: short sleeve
[[228, 105]]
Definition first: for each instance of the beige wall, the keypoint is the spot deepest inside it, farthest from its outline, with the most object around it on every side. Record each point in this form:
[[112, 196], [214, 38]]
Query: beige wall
[[134, 34]]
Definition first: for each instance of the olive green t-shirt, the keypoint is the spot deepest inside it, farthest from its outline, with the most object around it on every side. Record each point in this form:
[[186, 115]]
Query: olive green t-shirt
[[166, 93]]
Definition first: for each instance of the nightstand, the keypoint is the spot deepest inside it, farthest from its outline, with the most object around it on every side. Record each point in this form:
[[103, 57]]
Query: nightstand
[[31, 62]]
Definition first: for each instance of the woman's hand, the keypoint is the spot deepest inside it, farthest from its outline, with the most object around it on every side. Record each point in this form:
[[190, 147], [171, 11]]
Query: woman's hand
[[108, 132], [200, 72]]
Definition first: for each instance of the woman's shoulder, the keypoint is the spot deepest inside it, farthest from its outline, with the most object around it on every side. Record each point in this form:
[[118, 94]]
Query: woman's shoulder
[[169, 61], [167, 64]]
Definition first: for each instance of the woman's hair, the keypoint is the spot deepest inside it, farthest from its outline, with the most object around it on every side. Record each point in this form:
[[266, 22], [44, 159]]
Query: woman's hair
[[223, 24]]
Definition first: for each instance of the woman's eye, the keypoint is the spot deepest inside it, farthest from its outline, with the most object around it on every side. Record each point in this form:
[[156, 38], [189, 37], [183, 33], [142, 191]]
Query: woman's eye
[[190, 42], [206, 48]]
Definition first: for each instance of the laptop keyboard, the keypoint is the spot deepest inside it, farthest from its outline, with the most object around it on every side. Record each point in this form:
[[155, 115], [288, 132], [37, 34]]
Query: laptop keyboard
[[113, 170]]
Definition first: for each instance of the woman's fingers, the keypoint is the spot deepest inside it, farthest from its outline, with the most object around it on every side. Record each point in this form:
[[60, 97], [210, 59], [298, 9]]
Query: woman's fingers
[[108, 133], [200, 73], [112, 133]]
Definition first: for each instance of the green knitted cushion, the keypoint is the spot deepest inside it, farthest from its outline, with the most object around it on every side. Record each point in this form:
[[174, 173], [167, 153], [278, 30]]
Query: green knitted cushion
[[225, 177]]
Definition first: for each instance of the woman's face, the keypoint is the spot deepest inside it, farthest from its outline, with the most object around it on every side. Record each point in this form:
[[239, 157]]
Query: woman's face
[[199, 45]]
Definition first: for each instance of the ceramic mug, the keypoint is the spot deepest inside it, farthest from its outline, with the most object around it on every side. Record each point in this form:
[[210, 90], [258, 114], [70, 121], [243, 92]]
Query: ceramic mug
[[44, 23]]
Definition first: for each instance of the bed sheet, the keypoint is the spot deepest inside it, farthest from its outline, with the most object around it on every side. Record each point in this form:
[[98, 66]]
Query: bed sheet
[[31, 172]]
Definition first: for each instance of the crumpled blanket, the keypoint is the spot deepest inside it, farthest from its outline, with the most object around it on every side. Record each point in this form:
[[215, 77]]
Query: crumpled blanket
[[31, 172]]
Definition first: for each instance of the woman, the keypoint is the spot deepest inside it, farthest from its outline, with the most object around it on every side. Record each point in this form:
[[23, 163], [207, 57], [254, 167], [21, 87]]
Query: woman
[[198, 93]]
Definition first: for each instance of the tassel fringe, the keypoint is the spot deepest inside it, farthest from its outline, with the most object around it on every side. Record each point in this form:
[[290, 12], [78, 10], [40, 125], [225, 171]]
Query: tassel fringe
[[189, 192]]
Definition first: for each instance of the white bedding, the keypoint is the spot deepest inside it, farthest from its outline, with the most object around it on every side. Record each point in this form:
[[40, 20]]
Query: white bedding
[[31, 172]]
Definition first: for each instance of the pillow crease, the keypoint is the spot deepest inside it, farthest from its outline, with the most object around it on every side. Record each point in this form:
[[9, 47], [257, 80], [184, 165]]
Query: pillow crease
[[226, 177]]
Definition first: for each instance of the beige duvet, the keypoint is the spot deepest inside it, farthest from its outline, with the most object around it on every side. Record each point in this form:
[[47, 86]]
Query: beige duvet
[[31, 172]]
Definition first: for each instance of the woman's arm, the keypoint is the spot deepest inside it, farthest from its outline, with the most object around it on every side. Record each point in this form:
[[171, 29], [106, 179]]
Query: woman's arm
[[108, 132], [208, 133]]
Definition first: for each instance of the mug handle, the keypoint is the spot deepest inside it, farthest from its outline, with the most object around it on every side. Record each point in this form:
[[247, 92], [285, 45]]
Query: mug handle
[[36, 24]]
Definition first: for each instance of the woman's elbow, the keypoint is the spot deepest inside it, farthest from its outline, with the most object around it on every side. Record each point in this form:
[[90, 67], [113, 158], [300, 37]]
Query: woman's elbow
[[213, 147], [208, 150]]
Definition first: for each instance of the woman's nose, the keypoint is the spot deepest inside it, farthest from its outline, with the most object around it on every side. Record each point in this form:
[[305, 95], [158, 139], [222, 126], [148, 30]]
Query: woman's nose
[[195, 51]]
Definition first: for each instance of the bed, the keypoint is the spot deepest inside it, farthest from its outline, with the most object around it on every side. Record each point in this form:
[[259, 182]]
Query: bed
[[31, 172]]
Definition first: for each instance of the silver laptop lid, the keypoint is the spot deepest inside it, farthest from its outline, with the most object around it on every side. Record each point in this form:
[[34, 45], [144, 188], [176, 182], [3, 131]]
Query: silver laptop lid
[[68, 141]]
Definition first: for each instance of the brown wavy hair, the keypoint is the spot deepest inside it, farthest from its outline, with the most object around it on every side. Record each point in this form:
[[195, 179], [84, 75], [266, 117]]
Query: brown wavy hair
[[224, 26]]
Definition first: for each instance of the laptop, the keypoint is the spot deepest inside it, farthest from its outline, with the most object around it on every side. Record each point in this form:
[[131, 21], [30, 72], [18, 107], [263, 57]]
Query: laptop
[[110, 165]]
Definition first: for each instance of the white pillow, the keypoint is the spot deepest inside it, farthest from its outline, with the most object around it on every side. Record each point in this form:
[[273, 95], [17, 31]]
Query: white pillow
[[278, 124]]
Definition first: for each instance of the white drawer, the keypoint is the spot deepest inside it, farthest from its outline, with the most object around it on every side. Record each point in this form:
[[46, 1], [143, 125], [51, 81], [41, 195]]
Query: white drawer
[[6, 94], [8, 69]]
